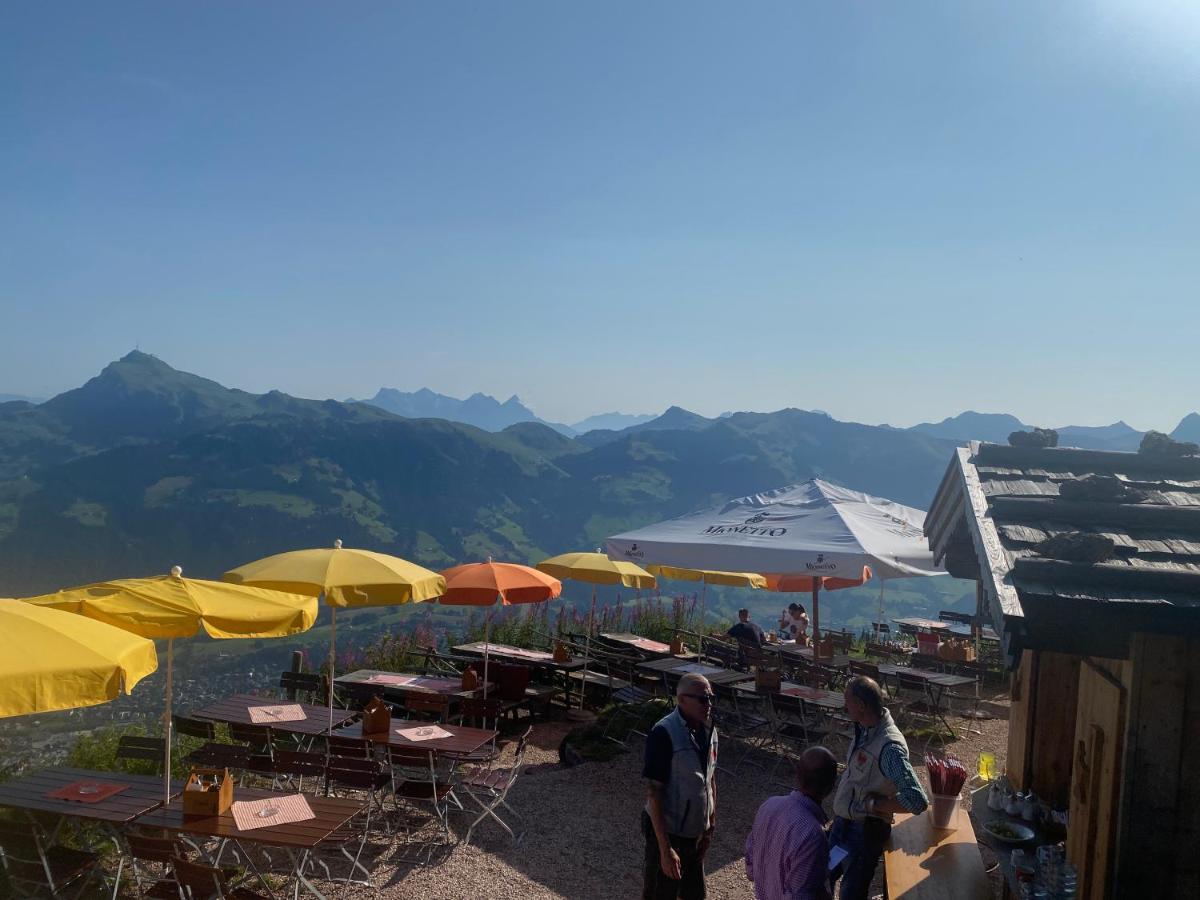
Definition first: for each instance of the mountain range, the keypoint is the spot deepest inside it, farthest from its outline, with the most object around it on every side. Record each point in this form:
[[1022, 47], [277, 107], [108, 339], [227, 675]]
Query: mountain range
[[486, 412], [144, 467]]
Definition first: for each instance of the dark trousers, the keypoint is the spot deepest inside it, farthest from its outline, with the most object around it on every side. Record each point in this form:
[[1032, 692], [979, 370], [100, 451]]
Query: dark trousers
[[863, 840], [658, 886]]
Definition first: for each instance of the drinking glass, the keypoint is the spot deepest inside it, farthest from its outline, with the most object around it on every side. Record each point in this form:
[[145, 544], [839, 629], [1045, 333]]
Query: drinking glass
[[987, 765]]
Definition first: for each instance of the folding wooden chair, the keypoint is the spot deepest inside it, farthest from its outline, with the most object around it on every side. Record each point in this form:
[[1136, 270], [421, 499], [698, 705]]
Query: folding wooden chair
[[307, 687], [202, 882], [147, 852], [431, 707], [489, 788], [31, 867], [142, 749]]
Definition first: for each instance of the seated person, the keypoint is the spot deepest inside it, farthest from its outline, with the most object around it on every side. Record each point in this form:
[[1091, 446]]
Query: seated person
[[794, 623], [746, 631]]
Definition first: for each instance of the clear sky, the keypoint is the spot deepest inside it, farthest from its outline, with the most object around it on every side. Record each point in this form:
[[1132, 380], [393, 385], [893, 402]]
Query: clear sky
[[889, 211]]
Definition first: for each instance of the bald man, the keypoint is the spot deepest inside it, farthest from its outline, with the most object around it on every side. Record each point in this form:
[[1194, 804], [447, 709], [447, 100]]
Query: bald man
[[787, 853], [681, 795]]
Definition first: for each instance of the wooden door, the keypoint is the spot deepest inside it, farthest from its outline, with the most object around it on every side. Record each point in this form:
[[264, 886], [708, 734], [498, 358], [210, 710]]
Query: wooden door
[[1095, 776]]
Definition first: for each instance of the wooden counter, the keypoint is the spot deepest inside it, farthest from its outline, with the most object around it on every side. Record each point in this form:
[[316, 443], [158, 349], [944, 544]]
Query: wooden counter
[[924, 863]]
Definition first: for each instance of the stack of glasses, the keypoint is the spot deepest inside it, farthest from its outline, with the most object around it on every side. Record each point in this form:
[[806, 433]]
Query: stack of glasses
[[1055, 878]]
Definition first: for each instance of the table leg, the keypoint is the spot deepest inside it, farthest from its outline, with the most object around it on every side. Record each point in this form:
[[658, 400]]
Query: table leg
[[298, 863]]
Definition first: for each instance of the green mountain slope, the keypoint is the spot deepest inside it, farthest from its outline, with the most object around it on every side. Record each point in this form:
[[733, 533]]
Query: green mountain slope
[[145, 467]]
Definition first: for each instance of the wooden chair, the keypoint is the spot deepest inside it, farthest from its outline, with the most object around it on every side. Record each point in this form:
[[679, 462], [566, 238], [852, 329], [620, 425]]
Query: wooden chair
[[259, 738], [867, 669], [306, 687], [32, 867], [433, 707], [489, 788], [365, 775], [144, 749], [298, 765], [202, 882], [352, 747], [415, 780], [159, 852]]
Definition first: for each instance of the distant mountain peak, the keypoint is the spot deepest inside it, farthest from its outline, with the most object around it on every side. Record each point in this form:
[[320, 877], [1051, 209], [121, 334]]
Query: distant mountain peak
[[611, 421], [479, 409]]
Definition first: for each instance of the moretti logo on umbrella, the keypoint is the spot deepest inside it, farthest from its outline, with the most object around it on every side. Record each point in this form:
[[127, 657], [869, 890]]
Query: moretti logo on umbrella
[[751, 526], [636, 552], [820, 565]]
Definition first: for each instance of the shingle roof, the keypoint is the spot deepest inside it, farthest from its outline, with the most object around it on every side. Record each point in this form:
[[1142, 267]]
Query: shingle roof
[[1053, 533]]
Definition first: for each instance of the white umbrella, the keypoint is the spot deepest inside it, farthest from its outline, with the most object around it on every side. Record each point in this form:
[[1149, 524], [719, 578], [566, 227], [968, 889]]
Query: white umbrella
[[814, 528]]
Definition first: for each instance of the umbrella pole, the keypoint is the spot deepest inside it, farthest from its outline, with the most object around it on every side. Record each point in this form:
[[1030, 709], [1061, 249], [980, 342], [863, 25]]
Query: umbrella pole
[[587, 647], [487, 646], [879, 617], [816, 617], [332, 658], [167, 721]]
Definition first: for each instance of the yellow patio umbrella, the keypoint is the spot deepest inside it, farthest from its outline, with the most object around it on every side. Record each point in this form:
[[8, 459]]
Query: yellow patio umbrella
[[171, 606], [51, 660], [595, 569], [344, 577], [707, 577]]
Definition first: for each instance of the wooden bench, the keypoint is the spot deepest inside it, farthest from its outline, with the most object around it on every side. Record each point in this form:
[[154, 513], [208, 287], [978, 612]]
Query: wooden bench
[[924, 863]]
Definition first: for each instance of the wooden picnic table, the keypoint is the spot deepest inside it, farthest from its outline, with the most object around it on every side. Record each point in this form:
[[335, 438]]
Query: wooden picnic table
[[941, 680], [297, 839], [837, 661], [674, 668], [141, 794], [636, 642], [236, 710], [832, 701], [936, 684], [537, 659], [461, 740], [924, 863], [400, 684]]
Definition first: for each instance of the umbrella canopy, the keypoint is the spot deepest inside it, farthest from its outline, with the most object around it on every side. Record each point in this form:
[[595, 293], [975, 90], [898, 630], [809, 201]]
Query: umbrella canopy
[[52, 660], [483, 584], [596, 568], [784, 583], [488, 583], [813, 528], [171, 606], [707, 577], [345, 576], [728, 579]]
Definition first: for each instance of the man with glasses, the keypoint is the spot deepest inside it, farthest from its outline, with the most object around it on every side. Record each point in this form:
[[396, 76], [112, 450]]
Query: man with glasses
[[681, 799]]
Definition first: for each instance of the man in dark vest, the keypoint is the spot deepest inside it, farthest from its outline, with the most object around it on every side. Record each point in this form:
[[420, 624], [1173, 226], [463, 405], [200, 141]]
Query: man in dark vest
[[681, 799]]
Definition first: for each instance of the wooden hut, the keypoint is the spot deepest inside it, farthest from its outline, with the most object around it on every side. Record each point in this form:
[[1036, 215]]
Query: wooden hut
[[1088, 565]]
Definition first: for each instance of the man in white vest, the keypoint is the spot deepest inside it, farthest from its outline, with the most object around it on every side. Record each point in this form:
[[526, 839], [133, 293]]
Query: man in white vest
[[681, 799], [878, 782]]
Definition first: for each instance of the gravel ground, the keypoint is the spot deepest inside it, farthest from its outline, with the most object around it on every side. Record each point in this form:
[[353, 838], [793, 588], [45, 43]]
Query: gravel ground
[[583, 838]]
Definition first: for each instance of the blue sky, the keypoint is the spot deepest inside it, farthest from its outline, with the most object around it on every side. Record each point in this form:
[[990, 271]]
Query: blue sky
[[892, 212]]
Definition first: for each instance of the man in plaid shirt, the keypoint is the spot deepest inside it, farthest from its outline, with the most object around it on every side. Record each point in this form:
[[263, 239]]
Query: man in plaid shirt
[[787, 854]]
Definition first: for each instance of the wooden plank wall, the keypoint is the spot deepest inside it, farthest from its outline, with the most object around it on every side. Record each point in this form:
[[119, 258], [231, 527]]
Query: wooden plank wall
[[1041, 724], [1020, 720], [1160, 798]]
